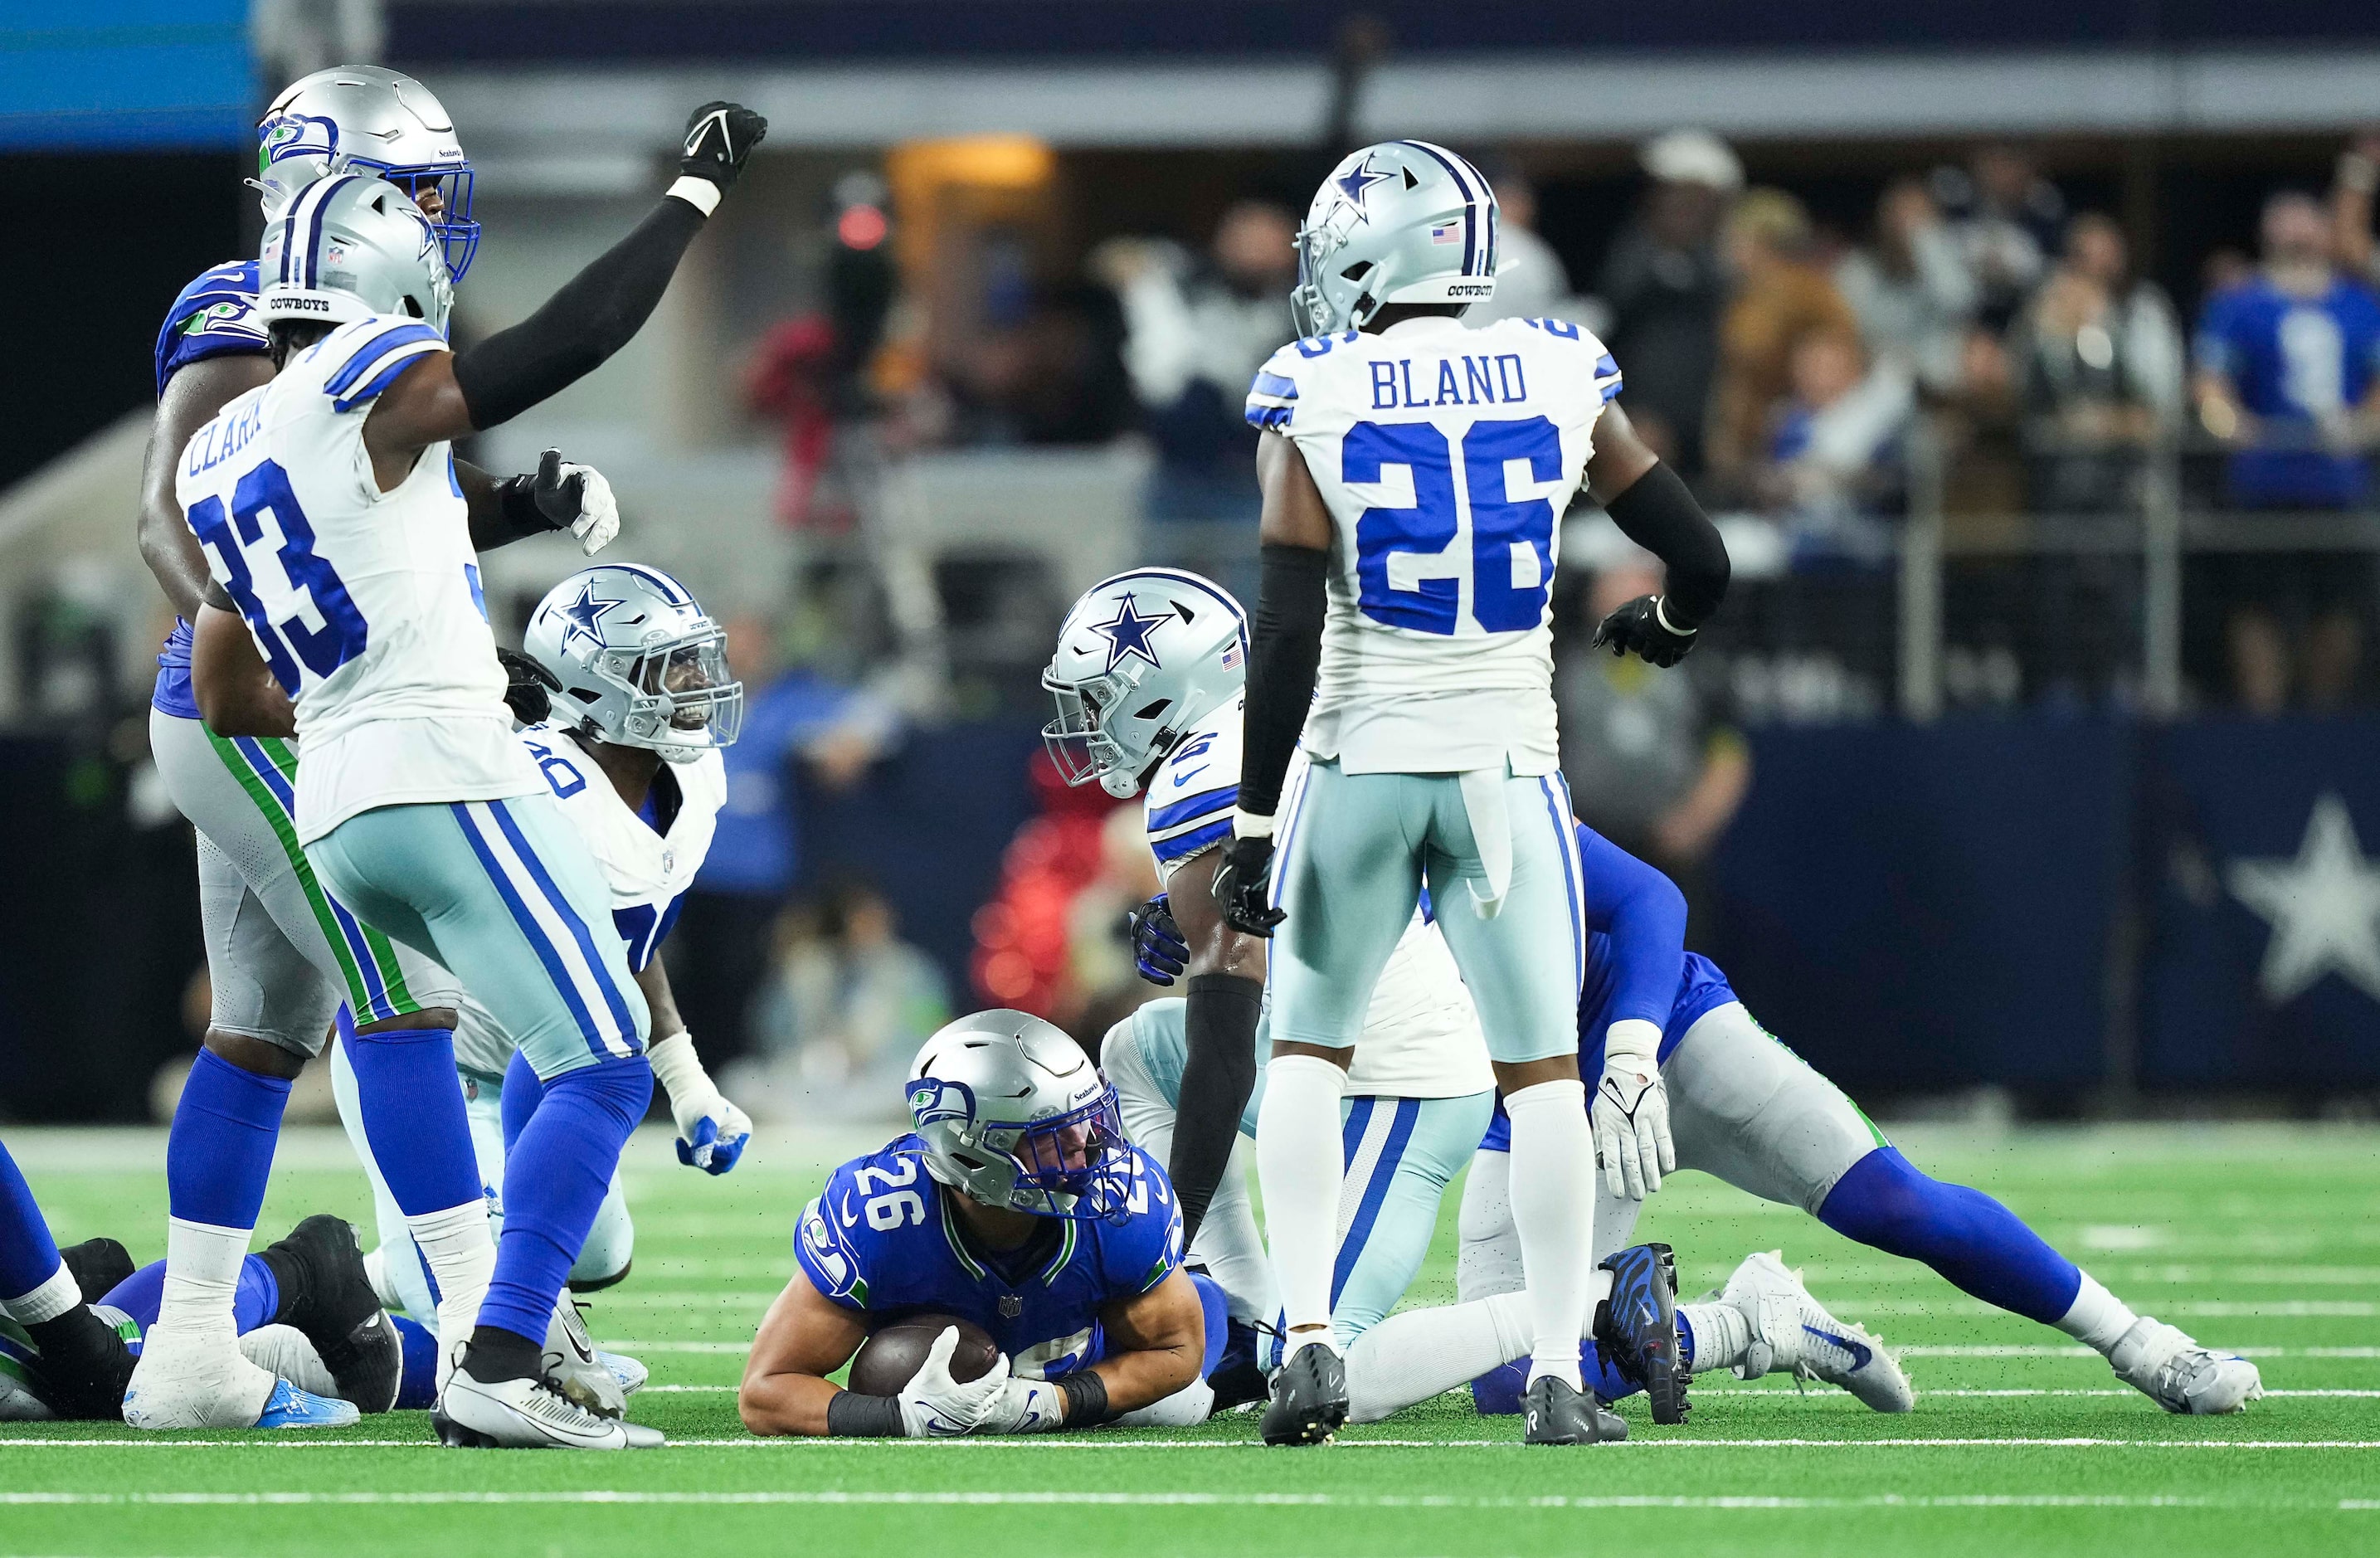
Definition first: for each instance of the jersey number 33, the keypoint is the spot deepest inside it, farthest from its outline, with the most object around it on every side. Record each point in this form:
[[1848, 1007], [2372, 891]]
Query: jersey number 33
[[307, 584]]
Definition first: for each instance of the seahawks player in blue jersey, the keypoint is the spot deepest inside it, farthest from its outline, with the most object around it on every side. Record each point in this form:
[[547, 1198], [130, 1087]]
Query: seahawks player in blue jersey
[[1017, 1205]]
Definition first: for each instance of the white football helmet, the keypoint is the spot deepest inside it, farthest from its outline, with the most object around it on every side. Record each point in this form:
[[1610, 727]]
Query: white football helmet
[[1402, 221], [348, 247], [639, 664], [1141, 658], [370, 120]]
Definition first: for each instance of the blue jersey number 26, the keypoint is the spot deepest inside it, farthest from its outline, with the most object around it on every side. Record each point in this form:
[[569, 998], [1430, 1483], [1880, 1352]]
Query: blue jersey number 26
[[265, 490], [1503, 599]]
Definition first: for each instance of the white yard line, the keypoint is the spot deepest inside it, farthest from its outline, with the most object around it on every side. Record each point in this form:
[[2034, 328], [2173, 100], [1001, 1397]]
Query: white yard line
[[1035, 1445], [1084, 1497]]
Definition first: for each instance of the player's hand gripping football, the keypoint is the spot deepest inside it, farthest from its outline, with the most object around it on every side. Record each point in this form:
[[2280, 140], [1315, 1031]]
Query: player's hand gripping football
[[1244, 887], [1643, 628], [1158, 949], [719, 136], [575, 498], [934, 1405], [1630, 1112], [711, 1132], [1026, 1406]]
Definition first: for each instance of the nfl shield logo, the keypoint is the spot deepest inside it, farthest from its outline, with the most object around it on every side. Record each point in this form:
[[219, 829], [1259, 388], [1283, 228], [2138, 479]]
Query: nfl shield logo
[[1011, 1305]]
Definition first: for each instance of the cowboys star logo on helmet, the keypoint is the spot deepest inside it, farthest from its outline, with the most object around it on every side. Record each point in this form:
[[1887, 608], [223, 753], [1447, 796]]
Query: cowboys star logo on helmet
[[1359, 179], [1127, 634], [585, 616]]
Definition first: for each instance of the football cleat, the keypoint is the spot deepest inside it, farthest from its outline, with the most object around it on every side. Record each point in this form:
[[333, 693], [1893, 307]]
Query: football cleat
[[193, 1380], [1792, 1333], [337, 1308], [289, 1407], [583, 1374], [626, 1371], [1637, 1327], [2165, 1365], [526, 1415], [1554, 1411], [1309, 1397]]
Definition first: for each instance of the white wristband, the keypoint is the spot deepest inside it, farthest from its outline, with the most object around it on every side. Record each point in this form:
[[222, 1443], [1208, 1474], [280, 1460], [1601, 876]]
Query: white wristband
[[1632, 1038], [1661, 616], [677, 1067], [699, 193], [1249, 825]]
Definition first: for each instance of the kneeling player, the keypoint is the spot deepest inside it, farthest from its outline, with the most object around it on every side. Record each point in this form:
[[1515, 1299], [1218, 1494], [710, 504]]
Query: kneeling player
[[1034, 1219]]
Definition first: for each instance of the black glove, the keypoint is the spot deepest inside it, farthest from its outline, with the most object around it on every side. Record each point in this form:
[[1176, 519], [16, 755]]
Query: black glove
[[1244, 887], [1638, 626], [545, 501], [529, 686], [719, 136], [1158, 949]]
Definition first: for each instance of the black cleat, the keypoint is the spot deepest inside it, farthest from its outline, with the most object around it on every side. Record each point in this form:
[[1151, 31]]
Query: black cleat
[[326, 1294], [97, 1266], [1235, 1378], [1309, 1397], [1636, 1328], [1555, 1412]]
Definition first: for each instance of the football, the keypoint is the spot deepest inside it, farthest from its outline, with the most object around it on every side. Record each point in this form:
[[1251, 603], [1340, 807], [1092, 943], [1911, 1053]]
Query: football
[[894, 1353]]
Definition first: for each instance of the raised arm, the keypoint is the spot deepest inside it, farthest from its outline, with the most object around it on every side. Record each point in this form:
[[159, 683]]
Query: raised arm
[[1653, 508]]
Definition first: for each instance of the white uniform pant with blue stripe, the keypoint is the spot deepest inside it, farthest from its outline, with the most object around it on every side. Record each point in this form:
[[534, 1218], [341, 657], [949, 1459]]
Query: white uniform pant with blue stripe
[[1356, 852], [1401, 1153], [603, 1259], [505, 893]]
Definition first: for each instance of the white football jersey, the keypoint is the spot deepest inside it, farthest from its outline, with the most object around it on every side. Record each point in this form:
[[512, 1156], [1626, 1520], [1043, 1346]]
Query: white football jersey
[[366, 604], [648, 867], [1421, 1035], [1446, 457]]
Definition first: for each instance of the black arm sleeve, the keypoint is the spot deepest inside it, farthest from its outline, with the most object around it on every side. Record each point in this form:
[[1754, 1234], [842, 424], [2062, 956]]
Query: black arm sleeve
[[1659, 514], [850, 1415], [1283, 655], [593, 316], [1217, 1076]]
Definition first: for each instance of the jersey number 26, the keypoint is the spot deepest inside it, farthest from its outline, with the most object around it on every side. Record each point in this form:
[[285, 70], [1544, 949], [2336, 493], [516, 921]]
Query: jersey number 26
[[265, 490], [1512, 541]]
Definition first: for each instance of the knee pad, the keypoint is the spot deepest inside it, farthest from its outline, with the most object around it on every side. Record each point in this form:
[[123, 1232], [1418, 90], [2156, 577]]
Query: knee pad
[[610, 1245]]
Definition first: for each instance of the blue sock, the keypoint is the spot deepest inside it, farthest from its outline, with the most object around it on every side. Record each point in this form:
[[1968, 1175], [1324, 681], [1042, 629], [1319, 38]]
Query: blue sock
[[412, 1106], [523, 1093], [256, 1301], [1978, 1244], [219, 1153], [417, 1389], [556, 1177], [28, 1257], [1498, 1393]]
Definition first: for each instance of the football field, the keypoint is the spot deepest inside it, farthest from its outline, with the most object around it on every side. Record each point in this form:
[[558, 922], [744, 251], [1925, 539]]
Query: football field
[[2261, 1239]]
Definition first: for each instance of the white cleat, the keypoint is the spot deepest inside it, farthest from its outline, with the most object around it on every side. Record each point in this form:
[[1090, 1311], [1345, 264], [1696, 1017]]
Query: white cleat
[[1792, 1332], [581, 1372], [195, 1380], [527, 1415], [2164, 1364], [630, 1374]]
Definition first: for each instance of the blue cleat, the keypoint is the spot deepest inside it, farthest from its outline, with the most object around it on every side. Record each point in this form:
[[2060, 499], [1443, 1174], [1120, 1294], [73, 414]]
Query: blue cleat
[[1636, 1328], [289, 1407]]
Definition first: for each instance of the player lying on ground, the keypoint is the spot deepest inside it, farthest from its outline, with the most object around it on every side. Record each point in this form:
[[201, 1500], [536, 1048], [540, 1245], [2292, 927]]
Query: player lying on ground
[[417, 806], [1732, 1101], [630, 750], [299, 1303], [1414, 472], [1019, 1206], [282, 953]]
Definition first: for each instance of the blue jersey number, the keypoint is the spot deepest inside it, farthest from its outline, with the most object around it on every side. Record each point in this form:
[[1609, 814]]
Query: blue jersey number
[[561, 773], [1511, 540], [265, 490]]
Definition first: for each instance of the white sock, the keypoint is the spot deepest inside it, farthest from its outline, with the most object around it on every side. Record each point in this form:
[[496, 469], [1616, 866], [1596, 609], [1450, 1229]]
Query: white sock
[[202, 1264], [2097, 1318], [1299, 1166], [1721, 1335], [1552, 1190], [462, 1257], [54, 1297], [1411, 1356]]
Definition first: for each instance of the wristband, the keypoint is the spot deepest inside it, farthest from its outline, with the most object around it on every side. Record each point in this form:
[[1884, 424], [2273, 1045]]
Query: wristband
[[677, 1066], [699, 193], [1086, 1399], [850, 1415], [1633, 1038], [517, 501], [1661, 616], [1250, 825]]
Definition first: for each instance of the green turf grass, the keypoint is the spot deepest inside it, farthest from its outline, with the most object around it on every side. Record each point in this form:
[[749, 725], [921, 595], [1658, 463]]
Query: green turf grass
[[2255, 1238]]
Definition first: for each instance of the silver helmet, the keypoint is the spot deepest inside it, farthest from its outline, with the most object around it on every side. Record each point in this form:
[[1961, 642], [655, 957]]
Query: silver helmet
[[348, 247], [1402, 221], [368, 119], [638, 662], [1141, 658], [1015, 1114]]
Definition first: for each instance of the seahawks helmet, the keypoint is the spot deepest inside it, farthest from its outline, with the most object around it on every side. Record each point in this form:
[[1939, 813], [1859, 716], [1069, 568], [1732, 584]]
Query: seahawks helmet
[[637, 663], [370, 120], [1015, 1114], [349, 247], [1141, 658], [1402, 221]]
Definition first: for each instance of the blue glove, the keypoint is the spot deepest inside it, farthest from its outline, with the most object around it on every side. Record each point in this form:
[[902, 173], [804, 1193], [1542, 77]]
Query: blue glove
[[707, 1151], [1158, 949]]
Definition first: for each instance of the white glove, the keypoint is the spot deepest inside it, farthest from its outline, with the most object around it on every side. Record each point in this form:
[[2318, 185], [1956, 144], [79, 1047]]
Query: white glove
[[1631, 1110], [934, 1405], [711, 1132], [1026, 1407], [599, 512]]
